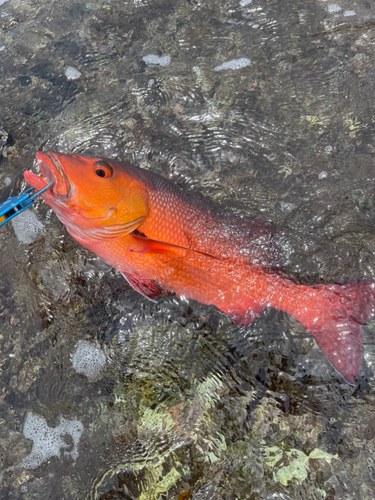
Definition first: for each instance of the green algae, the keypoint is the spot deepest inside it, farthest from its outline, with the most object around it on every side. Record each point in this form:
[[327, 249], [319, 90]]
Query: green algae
[[297, 462], [155, 422], [160, 485], [320, 454]]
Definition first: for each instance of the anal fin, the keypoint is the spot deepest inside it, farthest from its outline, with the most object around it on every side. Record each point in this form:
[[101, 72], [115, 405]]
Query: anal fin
[[244, 312], [148, 288]]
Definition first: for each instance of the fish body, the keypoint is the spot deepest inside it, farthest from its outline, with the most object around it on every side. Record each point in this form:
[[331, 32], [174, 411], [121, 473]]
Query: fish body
[[163, 238]]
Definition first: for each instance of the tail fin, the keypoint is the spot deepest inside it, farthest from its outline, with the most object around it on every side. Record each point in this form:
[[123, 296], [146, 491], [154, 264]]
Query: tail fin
[[334, 315]]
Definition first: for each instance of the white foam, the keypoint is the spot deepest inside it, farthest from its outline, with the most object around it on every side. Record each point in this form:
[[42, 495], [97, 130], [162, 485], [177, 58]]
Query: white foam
[[322, 175], [7, 181], [27, 227], [88, 359], [349, 13], [48, 441], [72, 73], [154, 60], [333, 7], [233, 64], [2, 48], [245, 2], [287, 207]]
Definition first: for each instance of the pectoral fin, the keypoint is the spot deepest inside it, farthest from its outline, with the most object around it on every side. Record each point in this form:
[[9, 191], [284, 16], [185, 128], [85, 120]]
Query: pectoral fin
[[150, 245], [148, 288]]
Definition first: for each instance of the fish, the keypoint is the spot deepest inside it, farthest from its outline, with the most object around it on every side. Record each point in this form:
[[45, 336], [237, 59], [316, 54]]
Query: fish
[[163, 238]]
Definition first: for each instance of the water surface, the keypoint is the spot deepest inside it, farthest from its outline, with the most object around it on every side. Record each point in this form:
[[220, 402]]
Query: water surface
[[265, 107]]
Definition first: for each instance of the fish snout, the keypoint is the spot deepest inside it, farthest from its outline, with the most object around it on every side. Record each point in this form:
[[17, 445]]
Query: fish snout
[[52, 170]]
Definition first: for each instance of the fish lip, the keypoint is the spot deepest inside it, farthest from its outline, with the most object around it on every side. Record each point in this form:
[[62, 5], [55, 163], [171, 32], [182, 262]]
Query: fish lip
[[52, 170]]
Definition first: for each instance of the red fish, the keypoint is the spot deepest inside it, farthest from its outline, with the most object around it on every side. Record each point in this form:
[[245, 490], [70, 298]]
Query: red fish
[[163, 238]]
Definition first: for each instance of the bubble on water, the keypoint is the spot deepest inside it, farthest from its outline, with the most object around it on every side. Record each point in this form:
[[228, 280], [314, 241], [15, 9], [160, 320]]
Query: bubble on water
[[27, 227], [328, 150], [88, 359], [48, 441], [349, 13], [154, 60], [7, 181], [333, 7], [287, 207], [72, 73], [233, 64]]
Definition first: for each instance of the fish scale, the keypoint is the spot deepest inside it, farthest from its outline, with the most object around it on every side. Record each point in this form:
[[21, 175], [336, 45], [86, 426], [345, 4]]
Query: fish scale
[[163, 238]]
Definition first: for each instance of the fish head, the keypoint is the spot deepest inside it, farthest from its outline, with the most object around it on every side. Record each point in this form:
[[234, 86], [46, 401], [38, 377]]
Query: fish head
[[94, 197]]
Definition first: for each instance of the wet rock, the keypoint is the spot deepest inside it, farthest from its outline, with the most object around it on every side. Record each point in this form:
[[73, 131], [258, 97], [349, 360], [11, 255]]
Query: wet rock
[[3, 139]]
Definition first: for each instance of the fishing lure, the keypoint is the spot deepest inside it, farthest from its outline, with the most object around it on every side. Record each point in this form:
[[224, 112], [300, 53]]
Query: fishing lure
[[17, 204]]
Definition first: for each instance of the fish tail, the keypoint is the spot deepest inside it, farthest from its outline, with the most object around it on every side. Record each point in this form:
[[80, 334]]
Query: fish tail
[[334, 315]]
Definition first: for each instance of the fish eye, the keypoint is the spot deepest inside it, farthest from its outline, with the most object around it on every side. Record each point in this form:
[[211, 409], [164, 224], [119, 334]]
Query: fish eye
[[102, 169]]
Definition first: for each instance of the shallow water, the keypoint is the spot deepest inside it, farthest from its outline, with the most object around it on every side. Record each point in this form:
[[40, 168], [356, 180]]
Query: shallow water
[[265, 107]]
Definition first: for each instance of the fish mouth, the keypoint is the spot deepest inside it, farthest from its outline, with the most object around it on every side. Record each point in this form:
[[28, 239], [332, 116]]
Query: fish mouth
[[51, 170]]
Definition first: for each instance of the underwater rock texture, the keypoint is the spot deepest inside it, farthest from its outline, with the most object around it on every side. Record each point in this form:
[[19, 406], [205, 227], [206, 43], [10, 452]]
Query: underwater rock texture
[[266, 107]]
